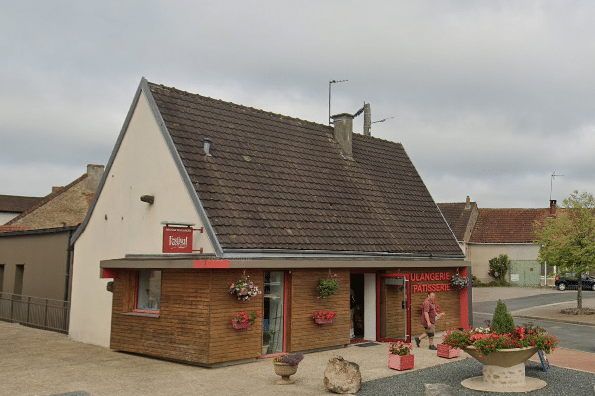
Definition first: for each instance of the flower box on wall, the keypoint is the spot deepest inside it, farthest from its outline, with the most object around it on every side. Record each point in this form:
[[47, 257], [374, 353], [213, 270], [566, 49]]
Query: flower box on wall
[[241, 326], [446, 351], [397, 362], [323, 321]]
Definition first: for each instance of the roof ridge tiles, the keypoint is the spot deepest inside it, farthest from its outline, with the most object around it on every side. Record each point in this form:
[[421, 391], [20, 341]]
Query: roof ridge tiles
[[261, 111]]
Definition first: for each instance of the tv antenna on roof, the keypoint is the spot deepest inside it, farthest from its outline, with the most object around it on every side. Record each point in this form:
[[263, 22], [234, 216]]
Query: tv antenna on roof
[[329, 97], [553, 176]]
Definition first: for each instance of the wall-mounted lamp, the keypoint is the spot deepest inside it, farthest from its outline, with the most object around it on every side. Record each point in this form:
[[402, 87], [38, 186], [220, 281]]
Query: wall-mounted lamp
[[147, 198]]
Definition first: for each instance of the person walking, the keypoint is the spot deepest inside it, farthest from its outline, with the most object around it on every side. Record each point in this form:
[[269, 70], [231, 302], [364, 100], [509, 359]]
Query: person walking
[[429, 315]]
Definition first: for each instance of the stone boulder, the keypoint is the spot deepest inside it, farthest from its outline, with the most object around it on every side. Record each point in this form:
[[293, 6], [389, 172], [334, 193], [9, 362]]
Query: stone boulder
[[341, 376]]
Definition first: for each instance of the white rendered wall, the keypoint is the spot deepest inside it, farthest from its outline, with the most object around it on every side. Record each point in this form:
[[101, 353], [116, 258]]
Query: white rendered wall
[[370, 307], [121, 224]]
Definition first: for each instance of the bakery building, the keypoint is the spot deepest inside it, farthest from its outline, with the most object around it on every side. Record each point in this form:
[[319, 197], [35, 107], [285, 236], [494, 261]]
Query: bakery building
[[200, 194]]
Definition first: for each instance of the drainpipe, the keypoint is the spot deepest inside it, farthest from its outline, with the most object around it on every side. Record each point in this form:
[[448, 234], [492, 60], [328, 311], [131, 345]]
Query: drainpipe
[[69, 258]]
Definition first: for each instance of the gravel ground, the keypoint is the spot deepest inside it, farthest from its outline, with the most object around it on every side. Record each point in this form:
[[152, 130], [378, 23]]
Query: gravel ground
[[560, 381]]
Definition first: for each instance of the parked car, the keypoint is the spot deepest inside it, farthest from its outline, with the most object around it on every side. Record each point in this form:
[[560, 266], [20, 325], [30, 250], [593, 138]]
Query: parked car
[[569, 281]]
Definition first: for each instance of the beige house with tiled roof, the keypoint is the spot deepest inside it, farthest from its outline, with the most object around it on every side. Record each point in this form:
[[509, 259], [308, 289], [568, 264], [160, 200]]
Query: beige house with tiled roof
[[35, 254], [511, 232], [199, 192], [13, 205]]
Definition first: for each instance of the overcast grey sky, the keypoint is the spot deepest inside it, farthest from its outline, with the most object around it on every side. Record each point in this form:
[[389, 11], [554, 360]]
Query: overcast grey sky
[[488, 98]]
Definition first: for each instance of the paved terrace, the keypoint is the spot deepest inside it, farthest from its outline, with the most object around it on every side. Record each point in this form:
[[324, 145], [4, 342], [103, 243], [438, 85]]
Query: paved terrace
[[36, 362]]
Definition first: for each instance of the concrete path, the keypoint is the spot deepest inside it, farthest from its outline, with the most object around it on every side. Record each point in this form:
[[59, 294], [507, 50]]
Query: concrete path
[[37, 362]]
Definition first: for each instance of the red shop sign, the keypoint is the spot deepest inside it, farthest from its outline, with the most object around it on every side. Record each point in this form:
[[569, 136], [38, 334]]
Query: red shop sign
[[177, 239]]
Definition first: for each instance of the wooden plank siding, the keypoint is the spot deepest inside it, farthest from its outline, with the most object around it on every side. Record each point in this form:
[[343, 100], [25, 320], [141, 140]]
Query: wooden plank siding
[[447, 300], [179, 332], [227, 344], [303, 301], [194, 323]]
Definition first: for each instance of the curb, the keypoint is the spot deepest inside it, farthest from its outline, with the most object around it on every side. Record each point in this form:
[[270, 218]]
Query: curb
[[576, 322]]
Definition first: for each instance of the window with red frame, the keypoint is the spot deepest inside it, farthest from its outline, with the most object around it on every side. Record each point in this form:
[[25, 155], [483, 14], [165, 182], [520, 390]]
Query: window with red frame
[[148, 291]]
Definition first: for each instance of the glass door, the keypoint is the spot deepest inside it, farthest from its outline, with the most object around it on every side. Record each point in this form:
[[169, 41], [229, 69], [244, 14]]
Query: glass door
[[272, 317], [393, 307]]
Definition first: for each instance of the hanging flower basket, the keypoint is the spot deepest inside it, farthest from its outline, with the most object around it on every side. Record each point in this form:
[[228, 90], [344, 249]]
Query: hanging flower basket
[[323, 317], [244, 289], [459, 282], [241, 326], [328, 287], [446, 351], [400, 363]]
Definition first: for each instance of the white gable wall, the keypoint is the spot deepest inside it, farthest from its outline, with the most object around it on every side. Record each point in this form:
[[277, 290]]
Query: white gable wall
[[122, 224]]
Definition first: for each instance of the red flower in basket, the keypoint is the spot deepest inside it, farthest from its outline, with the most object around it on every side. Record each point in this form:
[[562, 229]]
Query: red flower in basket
[[243, 321], [323, 317]]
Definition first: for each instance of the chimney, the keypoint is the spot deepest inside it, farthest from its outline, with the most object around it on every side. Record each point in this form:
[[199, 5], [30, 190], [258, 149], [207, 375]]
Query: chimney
[[344, 131], [94, 173], [367, 120], [552, 206], [468, 203]]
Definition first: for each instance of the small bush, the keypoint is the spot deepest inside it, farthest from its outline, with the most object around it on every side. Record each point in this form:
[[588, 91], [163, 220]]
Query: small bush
[[498, 266], [502, 322]]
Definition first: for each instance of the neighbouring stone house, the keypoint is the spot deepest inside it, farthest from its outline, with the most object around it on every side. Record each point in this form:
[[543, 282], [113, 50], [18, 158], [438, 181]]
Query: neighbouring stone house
[[35, 254], [199, 193]]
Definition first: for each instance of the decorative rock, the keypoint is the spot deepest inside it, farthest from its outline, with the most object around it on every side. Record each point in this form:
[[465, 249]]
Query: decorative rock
[[342, 376]]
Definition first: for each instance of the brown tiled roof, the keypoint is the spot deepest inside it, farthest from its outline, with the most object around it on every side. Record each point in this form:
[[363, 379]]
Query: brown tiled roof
[[10, 228], [507, 225], [457, 217], [17, 204], [275, 182]]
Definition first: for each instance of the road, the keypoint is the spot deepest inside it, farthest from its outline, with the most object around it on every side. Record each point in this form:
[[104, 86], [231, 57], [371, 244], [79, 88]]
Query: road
[[570, 336]]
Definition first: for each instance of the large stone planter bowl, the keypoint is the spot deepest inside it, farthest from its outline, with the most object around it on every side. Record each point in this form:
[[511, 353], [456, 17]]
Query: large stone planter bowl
[[503, 357], [284, 370], [503, 371]]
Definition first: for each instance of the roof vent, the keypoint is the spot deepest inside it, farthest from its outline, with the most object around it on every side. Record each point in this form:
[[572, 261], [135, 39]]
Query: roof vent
[[207, 146]]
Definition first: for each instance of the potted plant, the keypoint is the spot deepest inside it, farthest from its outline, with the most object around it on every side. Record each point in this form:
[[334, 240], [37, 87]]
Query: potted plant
[[267, 336], [399, 356], [503, 349], [244, 288], [323, 317], [244, 321], [286, 365]]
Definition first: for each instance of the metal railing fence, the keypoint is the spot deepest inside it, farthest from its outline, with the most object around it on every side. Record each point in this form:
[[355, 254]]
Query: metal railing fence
[[41, 313]]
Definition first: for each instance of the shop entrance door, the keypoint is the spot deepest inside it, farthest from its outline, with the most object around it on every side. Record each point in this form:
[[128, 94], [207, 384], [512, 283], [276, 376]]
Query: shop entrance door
[[273, 315], [393, 304]]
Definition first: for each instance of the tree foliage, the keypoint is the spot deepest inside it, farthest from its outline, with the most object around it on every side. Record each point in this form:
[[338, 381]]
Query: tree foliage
[[568, 239], [498, 266]]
